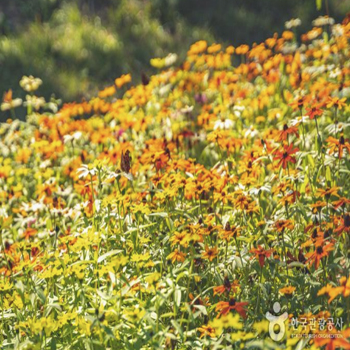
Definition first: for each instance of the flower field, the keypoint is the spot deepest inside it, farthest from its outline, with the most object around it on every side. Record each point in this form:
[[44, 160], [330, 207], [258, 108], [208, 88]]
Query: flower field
[[177, 213]]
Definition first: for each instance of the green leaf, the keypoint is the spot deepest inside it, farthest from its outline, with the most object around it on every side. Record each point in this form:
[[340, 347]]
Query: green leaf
[[311, 160], [104, 256], [318, 4], [161, 214], [41, 295], [201, 308], [304, 184], [108, 331], [53, 344], [296, 264], [177, 297], [328, 175], [177, 327], [103, 296]]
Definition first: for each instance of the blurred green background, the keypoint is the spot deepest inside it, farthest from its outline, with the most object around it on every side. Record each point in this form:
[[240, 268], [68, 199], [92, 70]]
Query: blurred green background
[[79, 46]]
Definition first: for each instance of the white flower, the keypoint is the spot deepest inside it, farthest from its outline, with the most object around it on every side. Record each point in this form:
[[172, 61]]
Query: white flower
[[237, 110], [16, 102], [338, 30], [187, 109], [299, 120], [256, 190], [335, 128], [85, 170], [76, 136], [223, 124], [323, 21], [289, 48], [294, 22], [335, 73], [34, 101], [112, 175], [251, 132], [45, 164], [170, 59], [30, 83]]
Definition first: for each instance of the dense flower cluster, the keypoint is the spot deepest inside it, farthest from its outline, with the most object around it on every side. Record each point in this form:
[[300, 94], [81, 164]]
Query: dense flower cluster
[[175, 213]]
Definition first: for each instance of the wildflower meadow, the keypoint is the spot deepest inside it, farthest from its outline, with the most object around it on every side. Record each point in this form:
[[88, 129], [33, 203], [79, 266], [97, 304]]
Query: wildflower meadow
[[207, 207]]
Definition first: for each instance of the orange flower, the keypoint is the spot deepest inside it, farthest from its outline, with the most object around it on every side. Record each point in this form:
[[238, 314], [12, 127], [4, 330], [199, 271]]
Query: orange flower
[[338, 146], [337, 102], [322, 250], [242, 49], [226, 287], [318, 206], [344, 224], [286, 131], [299, 103], [336, 342], [124, 79], [282, 225], [287, 290], [29, 232], [224, 307], [341, 202], [333, 292], [214, 48], [210, 253], [198, 47], [260, 253], [285, 156], [229, 232], [176, 256], [327, 192], [108, 91], [206, 331]]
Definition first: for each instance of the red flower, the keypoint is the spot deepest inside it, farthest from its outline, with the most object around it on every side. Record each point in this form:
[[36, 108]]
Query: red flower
[[299, 103], [285, 156], [261, 254], [344, 224], [313, 111], [224, 307], [321, 250], [226, 287], [338, 146], [283, 135]]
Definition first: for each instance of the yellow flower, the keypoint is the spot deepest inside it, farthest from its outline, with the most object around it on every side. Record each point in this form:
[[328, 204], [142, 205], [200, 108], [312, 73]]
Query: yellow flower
[[242, 49], [226, 321], [134, 315], [176, 256], [198, 47], [210, 253], [214, 48], [287, 290], [153, 277], [288, 35], [230, 50], [262, 326], [124, 79], [140, 257], [5, 285], [84, 326], [207, 330], [108, 91]]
